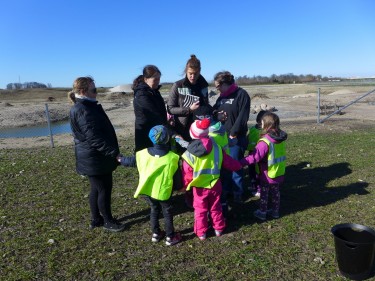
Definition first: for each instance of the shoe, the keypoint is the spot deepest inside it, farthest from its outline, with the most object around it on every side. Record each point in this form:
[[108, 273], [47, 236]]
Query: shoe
[[99, 222], [218, 233], [260, 215], [114, 226], [272, 213], [156, 237], [176, 238], [256, 193], [202, 237]]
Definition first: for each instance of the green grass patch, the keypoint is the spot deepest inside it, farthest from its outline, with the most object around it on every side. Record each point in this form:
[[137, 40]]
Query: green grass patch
[[44, 219]]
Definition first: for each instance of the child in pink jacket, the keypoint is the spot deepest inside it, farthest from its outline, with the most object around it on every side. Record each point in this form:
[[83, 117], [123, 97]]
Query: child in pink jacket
[[202, 162], [269, 153]]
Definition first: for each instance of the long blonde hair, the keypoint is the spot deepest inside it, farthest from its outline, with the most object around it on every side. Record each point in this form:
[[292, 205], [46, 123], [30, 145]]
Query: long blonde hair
[[81, 84]]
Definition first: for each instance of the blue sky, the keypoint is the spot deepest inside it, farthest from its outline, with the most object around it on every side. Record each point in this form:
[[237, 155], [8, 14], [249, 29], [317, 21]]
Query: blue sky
[[56, 41]]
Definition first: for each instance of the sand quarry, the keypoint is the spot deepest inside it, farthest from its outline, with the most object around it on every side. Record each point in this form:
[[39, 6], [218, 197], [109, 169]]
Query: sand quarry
[[295, 104]]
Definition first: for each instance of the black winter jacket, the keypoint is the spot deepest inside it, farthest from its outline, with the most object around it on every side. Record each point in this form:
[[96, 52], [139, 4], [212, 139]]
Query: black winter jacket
[[96, 145], [180, 100], [149, 110], [237, 107]]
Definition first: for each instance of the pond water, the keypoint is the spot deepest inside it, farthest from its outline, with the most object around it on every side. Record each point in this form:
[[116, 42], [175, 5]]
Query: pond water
[[36, 131]]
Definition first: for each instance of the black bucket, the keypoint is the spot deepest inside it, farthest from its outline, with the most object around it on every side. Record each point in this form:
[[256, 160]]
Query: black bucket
[[355, 250]]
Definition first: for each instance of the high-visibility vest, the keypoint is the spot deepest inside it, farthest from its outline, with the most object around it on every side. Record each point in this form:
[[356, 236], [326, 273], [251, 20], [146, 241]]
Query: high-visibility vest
[[276, 158], [221, 140], [206, 169], [156, 174], [173, 144], [253, 137]]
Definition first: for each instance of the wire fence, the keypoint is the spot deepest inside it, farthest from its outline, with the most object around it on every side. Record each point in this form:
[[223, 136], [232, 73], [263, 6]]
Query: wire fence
[[309, 104]]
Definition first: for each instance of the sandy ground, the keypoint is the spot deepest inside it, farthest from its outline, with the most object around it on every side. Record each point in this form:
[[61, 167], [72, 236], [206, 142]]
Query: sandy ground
[[297, 112]]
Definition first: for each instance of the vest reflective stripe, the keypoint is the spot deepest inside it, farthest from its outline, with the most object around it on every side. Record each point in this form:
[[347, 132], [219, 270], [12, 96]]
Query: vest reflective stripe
[[276, 158], [156, 174], [206, 169]]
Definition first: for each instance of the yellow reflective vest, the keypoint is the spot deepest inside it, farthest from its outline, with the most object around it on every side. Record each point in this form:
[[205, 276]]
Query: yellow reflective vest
[[156, 174], [253, 137], [276, 158], [221, 140], [206, 168]]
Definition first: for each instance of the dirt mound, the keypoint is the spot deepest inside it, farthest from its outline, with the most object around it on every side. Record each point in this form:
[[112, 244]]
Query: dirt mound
[[260, 96], [6, 104], [126, 88], [342, 92], [304, 96]]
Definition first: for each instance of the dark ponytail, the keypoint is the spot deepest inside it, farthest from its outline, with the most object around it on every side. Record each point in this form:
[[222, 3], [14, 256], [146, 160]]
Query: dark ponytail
[[148, 72]]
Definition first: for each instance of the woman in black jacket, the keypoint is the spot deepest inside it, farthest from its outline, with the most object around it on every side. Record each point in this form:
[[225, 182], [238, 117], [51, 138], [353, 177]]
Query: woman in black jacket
[[96, 150], [234, 102], [149, 106]]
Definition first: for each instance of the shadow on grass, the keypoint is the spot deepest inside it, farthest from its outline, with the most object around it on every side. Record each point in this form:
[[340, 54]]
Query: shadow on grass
[[143, 216], [307, 187], [304, 188], [136, 218]]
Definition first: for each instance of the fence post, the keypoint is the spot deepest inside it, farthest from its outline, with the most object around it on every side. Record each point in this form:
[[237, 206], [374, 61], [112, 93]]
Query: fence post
[[318, 120], [49, 126]]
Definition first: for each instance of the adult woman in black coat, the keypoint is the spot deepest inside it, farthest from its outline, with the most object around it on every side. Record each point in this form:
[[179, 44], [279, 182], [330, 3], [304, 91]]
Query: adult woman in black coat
[[96, 150], [234, 102], [149, 106]]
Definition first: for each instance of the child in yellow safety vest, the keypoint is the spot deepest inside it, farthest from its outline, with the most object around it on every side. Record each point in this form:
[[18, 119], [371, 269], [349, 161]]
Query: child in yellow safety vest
[[159, 174], [269, 153], [202, 162], [253, 137]]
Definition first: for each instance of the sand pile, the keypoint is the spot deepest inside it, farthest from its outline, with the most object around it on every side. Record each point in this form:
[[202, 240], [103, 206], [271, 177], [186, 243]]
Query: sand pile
[[342, 92], [127, 88]]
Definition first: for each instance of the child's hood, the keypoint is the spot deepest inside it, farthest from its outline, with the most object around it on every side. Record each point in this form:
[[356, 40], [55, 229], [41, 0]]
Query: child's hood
[[277, 136], [200, 147]]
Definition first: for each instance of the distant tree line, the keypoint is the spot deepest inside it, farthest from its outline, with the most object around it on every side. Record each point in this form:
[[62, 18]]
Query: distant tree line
[[27, 85], [288, 78]]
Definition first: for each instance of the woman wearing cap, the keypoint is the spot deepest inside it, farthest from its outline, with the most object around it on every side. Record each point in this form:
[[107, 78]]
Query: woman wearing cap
[[149, 105], [96, 150], [187, 95], [235, 103]]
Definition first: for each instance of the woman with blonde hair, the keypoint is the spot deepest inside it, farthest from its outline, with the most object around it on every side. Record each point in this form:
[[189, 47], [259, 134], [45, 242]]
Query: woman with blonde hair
[[96, 150]]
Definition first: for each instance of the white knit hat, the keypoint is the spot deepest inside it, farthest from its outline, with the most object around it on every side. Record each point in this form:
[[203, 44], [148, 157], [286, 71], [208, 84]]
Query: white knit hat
[[199, 128]]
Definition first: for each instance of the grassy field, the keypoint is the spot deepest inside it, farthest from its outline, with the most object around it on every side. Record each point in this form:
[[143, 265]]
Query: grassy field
[[44, 219]]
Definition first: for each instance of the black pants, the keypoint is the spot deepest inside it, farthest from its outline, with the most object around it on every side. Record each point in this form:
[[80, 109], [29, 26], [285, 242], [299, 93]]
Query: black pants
[[100, 196], [156, 207]]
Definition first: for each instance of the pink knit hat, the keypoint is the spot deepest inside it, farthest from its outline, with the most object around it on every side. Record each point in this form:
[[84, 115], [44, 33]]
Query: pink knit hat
[[199, 128]]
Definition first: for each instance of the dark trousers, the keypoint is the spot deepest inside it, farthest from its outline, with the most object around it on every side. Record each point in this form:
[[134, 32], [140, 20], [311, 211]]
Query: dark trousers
[[156, 207], [272, 191], [100, 196]]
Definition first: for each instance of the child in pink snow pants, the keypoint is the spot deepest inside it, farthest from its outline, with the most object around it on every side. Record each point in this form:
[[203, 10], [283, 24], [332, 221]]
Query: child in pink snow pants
[[202, 162]]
